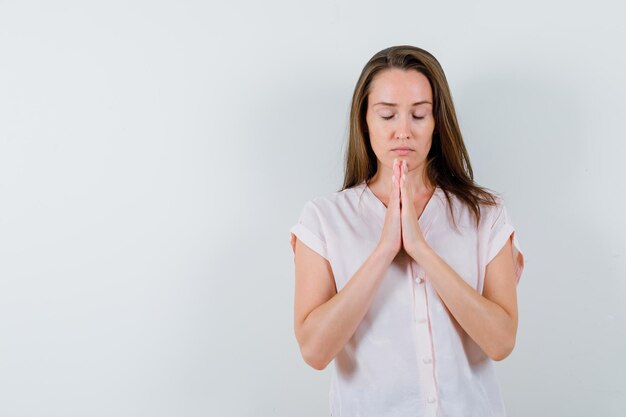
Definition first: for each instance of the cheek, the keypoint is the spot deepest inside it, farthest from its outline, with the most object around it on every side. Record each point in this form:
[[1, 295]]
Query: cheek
[[377, 133], [377, 141], [425, 131]]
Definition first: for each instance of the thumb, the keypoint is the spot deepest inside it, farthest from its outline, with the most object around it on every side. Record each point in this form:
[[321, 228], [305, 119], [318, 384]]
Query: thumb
[[395, 186]]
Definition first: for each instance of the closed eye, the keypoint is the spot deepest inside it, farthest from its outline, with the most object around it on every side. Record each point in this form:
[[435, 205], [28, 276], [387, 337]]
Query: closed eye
[[389, 117]]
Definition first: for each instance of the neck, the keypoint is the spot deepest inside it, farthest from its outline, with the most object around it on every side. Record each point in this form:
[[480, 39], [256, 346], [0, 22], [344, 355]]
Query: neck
[[381, 182]]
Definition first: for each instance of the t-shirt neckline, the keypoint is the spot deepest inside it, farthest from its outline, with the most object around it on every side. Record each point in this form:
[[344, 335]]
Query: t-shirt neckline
[[424, 220]]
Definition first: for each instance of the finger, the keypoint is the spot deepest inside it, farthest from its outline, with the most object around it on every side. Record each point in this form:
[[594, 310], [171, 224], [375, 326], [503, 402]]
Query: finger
[[394, 196], [406, 189], [403, 185], [399, 182], [394, 178]]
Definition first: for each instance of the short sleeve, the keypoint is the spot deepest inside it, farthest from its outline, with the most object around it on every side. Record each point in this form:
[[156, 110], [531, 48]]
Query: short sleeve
[[309, 230], [500, 231]]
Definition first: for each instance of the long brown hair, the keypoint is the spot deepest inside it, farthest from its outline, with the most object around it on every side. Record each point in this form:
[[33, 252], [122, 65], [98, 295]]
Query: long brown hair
[[448, 163]]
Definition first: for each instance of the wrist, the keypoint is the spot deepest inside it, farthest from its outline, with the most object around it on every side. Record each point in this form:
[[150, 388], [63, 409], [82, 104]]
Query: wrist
[[421, 253], [384, 252]]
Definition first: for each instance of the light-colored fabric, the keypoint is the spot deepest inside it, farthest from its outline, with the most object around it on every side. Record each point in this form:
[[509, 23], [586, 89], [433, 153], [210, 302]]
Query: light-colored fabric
[[408, 356]]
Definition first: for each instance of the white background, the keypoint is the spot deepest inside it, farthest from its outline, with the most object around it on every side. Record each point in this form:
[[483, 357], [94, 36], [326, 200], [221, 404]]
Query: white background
[[153, 156]]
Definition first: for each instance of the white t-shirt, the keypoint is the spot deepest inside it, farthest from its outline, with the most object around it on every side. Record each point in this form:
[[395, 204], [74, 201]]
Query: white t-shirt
[[408, 356]]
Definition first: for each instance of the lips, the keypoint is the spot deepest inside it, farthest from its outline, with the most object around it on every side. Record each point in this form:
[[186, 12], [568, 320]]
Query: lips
[[402, 149]]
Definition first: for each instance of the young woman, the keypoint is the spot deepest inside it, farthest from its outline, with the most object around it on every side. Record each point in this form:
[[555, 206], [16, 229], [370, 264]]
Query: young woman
[[407, 276]]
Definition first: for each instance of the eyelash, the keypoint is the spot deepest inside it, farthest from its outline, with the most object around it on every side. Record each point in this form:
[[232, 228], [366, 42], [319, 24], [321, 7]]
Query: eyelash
[[389, 118]]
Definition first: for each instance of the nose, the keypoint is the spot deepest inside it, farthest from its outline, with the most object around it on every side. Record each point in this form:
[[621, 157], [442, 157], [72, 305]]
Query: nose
[[403, 129]]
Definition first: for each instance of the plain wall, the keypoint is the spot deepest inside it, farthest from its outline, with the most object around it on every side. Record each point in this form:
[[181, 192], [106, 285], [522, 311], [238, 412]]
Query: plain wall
[[154, 154]]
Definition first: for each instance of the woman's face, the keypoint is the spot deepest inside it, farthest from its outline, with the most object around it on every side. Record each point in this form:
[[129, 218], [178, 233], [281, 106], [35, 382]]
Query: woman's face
[[400, 117]]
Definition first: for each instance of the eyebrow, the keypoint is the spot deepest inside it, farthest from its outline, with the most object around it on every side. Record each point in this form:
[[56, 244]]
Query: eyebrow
[[384, 103]]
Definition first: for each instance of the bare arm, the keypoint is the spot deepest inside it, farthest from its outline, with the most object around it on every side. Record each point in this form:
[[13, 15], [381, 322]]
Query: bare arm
[[325, 319], [490, 319]]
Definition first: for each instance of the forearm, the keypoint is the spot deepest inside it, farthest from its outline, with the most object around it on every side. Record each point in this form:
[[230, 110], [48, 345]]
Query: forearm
[[329, 327], [488, 324]]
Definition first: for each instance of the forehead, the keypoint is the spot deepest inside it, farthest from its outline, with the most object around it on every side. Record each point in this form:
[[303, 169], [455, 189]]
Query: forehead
[[400, 86]]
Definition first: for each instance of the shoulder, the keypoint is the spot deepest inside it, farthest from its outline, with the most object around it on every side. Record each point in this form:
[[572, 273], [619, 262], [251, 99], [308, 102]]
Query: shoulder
[[494, 214], [336, 201], [465, 213]]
